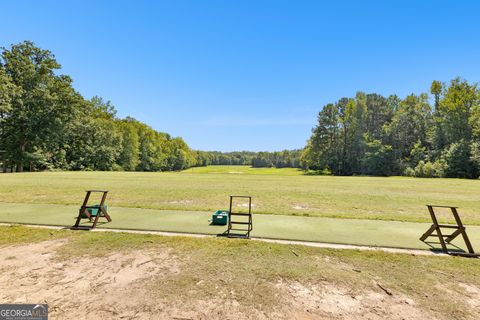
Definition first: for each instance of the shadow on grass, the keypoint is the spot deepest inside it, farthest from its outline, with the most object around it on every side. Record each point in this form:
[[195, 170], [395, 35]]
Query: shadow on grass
[[86, 225], [453, 250]]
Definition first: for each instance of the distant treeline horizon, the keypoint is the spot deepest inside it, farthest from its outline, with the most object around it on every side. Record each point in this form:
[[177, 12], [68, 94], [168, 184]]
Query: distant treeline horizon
[[45, 124], [261, 159]]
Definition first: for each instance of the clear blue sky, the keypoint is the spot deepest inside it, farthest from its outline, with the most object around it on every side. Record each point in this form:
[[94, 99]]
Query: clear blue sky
[[247, 74]]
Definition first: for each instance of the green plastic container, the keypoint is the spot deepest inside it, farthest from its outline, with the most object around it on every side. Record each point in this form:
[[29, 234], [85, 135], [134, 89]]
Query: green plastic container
[[220, 218], [93, 210]]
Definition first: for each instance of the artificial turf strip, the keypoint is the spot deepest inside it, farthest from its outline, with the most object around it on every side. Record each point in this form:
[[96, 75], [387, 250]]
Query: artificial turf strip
[[345, 231]]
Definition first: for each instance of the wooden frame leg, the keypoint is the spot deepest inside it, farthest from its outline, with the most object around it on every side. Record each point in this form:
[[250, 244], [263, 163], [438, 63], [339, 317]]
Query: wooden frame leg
[[230, 216], [427, 233], [78, 219], [453, 235], [102, 207], [95, 220], [105, 214], [462, 230], [101, 210], [437, 228], [83, 210]]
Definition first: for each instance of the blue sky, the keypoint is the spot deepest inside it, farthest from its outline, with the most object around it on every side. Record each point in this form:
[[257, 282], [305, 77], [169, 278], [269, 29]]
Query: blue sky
[[248, 74]]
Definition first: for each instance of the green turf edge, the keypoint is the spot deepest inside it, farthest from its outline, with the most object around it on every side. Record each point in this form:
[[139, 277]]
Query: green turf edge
[[309, 229]]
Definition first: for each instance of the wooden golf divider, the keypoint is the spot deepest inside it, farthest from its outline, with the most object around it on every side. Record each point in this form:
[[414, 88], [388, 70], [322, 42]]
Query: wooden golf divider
[[94, 212], [445, 239], [244, 219]]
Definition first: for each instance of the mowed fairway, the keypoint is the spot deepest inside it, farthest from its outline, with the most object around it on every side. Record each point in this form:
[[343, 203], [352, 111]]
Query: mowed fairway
[[275, 191]]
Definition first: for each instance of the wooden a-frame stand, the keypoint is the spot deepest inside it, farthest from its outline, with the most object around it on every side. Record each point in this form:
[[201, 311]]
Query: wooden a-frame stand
[[459, 229], [84, 214], [247, 220]]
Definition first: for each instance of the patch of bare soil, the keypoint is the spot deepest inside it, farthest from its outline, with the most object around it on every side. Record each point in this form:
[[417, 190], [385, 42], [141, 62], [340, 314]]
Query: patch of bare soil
[[471, 295], [300, 207], [184, 201], [111, 287], [245, 205], [327, 301], [219, 308], [117, 287]]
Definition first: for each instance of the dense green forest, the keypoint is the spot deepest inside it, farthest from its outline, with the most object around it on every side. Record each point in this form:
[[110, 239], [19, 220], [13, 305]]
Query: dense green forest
[[46, 124], [375, 135], [278, 159]]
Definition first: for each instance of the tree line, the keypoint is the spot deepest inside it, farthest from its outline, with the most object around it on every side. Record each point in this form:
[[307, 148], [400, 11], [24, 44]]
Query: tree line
[[375, 135], [264, 159], [46, 124]]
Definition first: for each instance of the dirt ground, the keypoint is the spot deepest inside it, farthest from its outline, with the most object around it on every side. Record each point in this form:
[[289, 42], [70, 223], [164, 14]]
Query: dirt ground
[[119, 286]]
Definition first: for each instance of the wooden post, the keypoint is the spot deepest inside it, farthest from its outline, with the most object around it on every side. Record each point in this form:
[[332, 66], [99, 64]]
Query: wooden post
[[83, 210], [462, 230], [437, 228], [427, 233]]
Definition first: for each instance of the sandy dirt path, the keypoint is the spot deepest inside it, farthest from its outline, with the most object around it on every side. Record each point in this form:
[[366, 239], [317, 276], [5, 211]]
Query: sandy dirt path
[[117, 287]]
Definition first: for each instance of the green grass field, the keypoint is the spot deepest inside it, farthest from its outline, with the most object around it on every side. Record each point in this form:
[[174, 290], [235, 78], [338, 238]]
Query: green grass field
[[275, 191], [246, 170]]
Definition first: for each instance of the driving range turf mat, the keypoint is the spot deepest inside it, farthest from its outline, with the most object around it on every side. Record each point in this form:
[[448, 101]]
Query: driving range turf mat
[[332, 230]]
